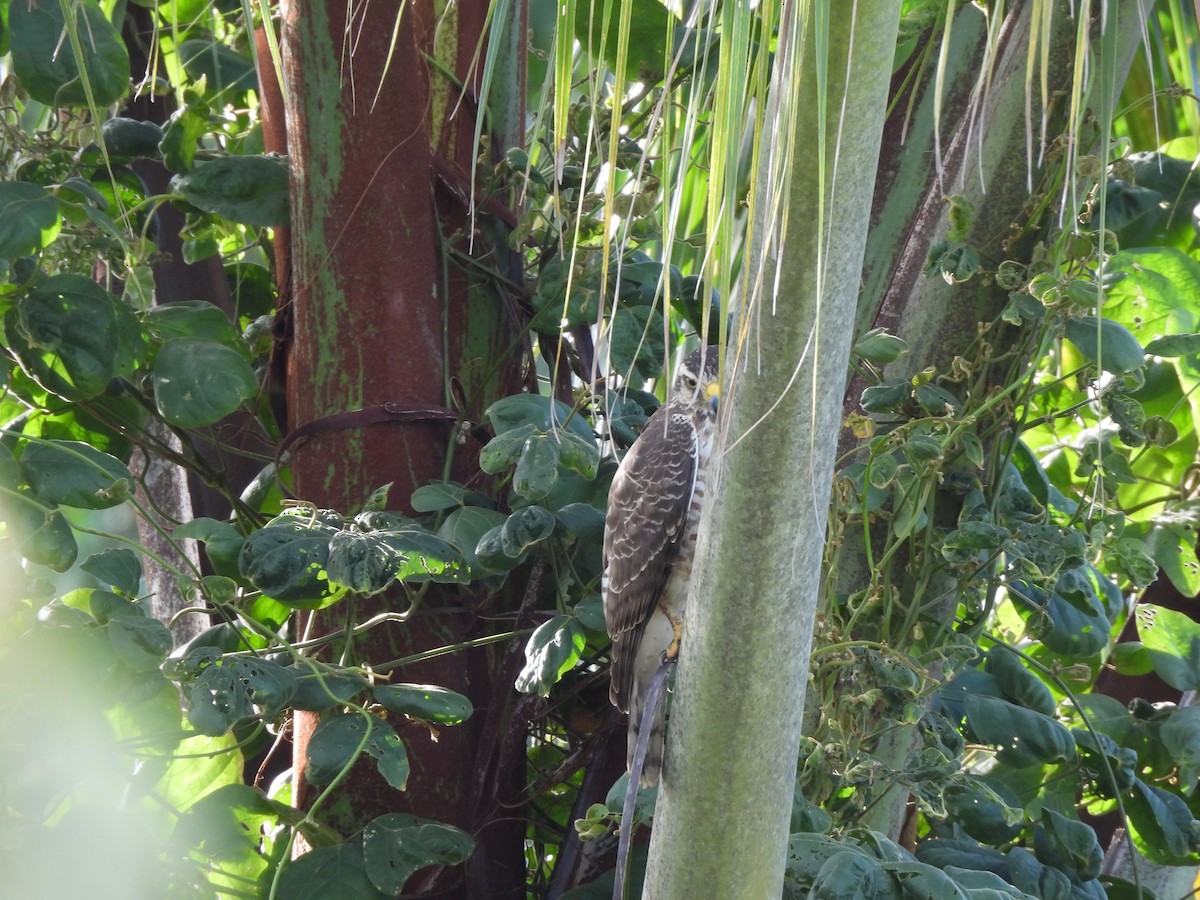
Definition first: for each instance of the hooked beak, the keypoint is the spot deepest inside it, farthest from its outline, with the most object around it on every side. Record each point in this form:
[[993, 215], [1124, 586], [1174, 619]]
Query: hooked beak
[[713, 393]]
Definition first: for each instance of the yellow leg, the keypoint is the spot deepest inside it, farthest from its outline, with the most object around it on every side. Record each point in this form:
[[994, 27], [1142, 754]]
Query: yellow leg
[[677, 629]]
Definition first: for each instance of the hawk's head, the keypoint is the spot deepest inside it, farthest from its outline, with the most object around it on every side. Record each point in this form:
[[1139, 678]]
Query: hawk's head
[[697, 386]]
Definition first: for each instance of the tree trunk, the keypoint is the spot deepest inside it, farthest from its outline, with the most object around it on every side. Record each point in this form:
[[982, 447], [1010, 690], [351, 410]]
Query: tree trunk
[[721, 824], [375, 321]]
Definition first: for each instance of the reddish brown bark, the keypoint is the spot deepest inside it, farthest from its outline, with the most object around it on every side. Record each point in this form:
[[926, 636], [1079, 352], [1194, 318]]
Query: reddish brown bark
[[372, 144]]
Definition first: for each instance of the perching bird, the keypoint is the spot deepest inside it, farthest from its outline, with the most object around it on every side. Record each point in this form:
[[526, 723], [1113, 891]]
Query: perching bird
[[650, 539]]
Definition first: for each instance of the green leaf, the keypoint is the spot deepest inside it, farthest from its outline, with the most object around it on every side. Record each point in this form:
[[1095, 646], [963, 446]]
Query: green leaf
[[636, 348], [505, 448], [524, 528], [1174, 345], [338, 871], [543, 413], [427, 702], [1109, 344], [29, 219], [577, 454], [223, 69], [1173, 642], [851, 874], [318, 692], [126, 138], [465, 528], [222, 542], [1023, 737], [141, 643], [1018, 683], [218, 701], [43, 533], [1069, 845], [117, 567], [286, 559], [583, 521], [198, 382], [397, 844], [337, 739], [986, 809], [369, 561], [66, 337], [439, 495], [43, 56], [1181, 737], [251, 190], [72, 473], [191, 319], [537, 469], [877, 346], [551, 652], [269, 686], [1161, 825], [921, 882]]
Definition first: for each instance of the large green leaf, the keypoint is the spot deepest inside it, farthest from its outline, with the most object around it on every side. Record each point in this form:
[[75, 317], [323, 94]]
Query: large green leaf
[[117, 567], [337, 871], [1161, 825], [191, 319], [44, 57], [1069, 845], [424, 701], [29, 219], [397, 845], [287, 559], [1173, 641], [252, 190], [337, 739], [1107, 343], [199, 382], [1023, 737], [542, 413], [65, 335], [43, 534], [71, 473]]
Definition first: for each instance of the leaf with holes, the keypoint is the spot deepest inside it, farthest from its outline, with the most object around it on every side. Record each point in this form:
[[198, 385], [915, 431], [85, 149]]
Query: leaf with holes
[[396, 845], [1173, 642], [218, 701], [286, 559]]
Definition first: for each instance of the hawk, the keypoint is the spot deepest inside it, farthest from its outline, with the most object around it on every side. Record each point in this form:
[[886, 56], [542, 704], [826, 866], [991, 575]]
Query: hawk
[[650, 539]]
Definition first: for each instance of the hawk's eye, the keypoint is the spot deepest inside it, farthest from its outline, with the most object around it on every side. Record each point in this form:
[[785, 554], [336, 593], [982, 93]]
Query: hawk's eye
[[690, 382]]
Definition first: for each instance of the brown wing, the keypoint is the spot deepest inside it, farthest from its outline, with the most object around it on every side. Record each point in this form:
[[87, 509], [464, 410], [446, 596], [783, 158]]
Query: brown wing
[[647, 510]]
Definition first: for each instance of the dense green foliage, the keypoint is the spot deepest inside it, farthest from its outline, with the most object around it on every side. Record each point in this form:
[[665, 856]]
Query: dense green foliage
[[1010, 509]]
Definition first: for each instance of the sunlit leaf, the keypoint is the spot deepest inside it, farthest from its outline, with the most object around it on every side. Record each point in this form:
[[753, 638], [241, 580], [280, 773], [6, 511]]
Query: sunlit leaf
[[29, 219]]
